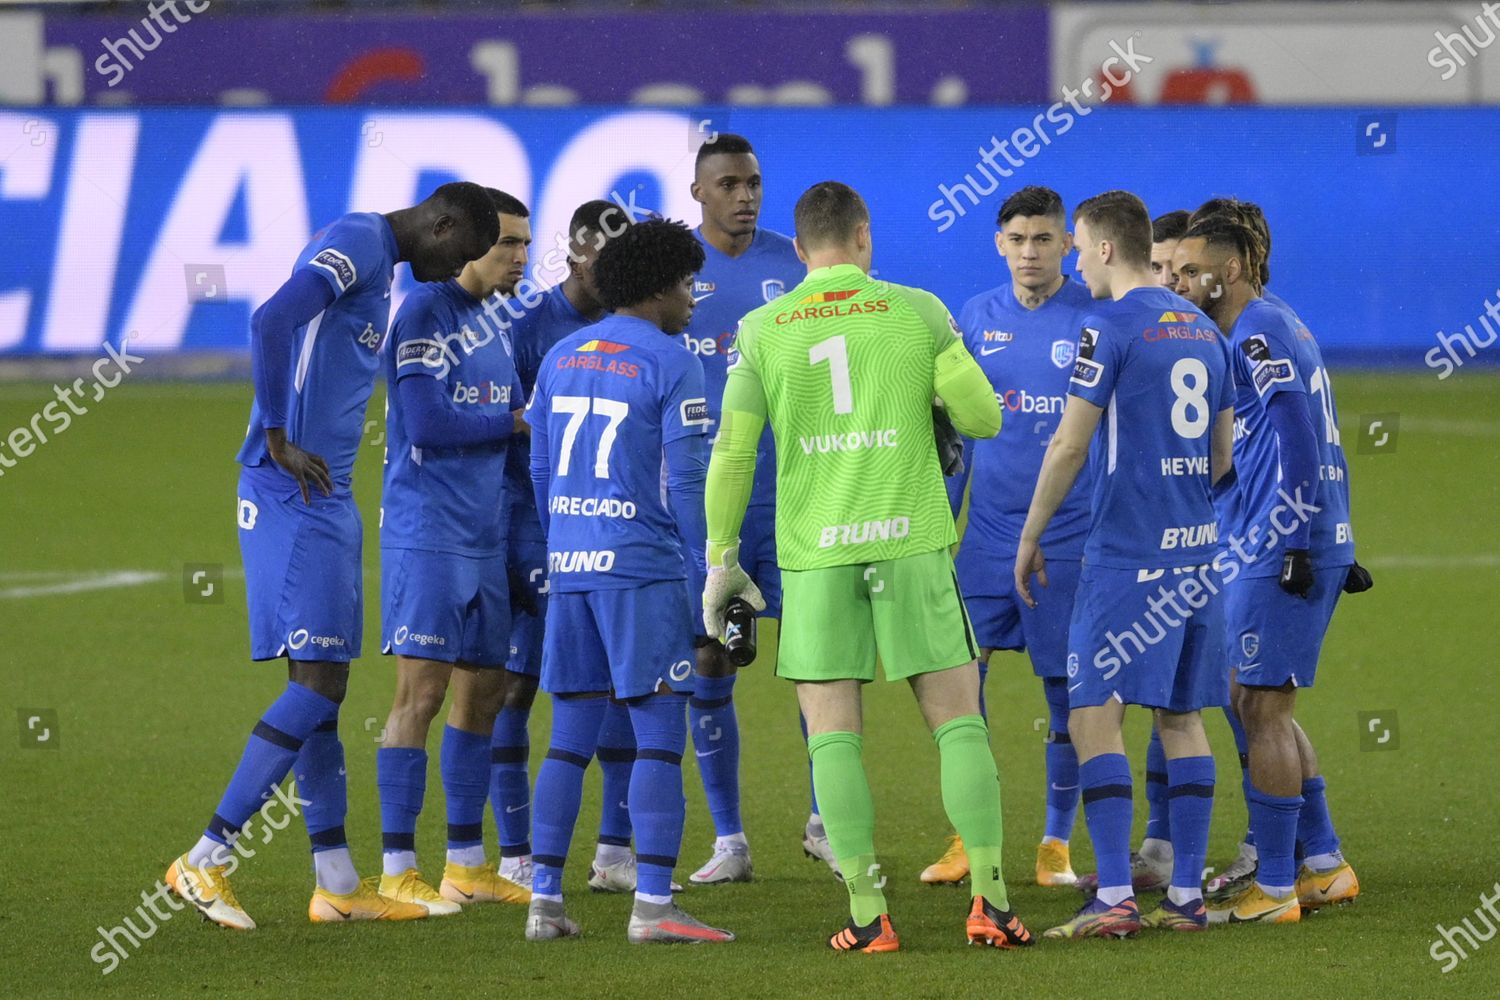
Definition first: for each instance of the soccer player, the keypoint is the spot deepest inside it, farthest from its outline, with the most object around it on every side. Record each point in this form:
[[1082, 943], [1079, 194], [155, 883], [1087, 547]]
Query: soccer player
[[572, 304], [1292, 511], [745, 266], [452, 413], [314, 348], [618, 406], [1166, 230], [1152, 377], [845, 370], [1023, 335]]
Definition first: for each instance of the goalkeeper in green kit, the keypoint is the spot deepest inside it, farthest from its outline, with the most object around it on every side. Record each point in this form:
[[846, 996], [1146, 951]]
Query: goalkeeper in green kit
[[847, 369]]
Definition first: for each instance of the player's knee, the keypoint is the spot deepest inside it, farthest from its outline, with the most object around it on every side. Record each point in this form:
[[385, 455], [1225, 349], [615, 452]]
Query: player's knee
[[520, 692], [331, 680]]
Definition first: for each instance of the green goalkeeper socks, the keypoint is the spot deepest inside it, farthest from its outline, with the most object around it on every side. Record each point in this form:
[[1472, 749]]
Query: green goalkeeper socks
[[971, 796], [849, 816]]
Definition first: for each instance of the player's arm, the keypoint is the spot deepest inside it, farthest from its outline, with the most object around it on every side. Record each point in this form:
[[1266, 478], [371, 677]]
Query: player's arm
[[1066, 453], [731, 476], [957, 379], [1221, 450], [687, 472], [273, 330], [541, 454]]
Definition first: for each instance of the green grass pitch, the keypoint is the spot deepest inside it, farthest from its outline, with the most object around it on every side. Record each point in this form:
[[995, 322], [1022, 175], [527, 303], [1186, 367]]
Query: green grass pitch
[[153, 697]]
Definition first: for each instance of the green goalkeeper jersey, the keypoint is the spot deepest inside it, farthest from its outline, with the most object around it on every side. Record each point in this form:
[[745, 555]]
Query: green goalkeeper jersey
[[846, 369]]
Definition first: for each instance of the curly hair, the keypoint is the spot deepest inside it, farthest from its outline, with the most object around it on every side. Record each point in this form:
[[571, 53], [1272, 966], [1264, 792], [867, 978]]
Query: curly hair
[[1249, 215], [1226, 231], [644, 260]]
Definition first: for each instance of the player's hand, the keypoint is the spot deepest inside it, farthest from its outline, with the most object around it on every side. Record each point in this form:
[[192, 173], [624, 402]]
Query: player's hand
[[522, 427], [1358, 581], [950, 447], [727, 581], [1029, 560], [303, 466], [1296, 572]]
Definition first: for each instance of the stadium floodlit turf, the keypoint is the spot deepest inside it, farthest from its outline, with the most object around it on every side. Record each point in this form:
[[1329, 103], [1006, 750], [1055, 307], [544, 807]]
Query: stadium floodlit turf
[[151, 698]]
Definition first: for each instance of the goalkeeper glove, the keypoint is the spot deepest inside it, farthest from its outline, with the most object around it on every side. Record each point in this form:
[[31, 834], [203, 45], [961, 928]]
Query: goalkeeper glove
[[950, 447], [726, 581]]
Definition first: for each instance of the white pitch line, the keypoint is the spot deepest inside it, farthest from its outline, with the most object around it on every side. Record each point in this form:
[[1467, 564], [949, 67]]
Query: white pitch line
[[97, 581], [1457, 428]]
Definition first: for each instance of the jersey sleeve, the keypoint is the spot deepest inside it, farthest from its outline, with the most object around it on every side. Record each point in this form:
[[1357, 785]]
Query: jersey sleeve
[[684, 406], [412, 344], [541, 454], [1226, 396], [1096, 365], [731, 468], [347, 254], [1270, 350], [935, 315]]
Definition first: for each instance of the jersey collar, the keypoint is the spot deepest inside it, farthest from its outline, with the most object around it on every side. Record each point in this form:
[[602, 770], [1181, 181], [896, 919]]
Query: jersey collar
[[836, 271]]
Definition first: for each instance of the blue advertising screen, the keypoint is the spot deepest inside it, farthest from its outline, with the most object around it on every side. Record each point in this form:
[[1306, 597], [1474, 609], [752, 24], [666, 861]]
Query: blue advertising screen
[[167, 227]]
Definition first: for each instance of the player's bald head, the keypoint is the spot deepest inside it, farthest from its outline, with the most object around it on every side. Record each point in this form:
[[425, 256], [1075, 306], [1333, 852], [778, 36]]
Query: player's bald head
[[829, 214]]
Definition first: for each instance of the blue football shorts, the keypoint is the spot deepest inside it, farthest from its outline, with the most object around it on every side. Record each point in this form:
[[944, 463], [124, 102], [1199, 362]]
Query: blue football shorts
[[303, 574], [1148, 637], [1275, 637], [444, 606], [626, 641]]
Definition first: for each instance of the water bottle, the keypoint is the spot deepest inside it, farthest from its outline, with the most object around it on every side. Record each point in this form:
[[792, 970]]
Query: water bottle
[[739, 632]]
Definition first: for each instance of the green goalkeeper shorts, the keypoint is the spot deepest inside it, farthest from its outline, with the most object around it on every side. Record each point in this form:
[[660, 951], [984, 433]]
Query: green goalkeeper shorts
[[909, 611]]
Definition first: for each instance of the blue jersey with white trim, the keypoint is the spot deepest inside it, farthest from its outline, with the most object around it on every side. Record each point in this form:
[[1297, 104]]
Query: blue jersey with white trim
[[533, 334], [608, 400], [447, 499], [1028, 356], [1274, 352], [1161, 372], [725, 290], [336, 354]]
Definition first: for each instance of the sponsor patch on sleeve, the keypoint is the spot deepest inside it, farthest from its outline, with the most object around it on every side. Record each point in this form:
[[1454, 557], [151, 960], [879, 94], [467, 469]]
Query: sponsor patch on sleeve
[[423, 353], [1268, 373], [695, 412], [1086, 372], [1088, 339], [338, 265], [953, 325]]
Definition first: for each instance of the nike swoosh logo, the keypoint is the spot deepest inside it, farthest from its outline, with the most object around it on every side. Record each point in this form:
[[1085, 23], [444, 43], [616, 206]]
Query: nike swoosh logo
[[1075, 687], [625, 806], [709, 754], [342, 913], [700, 298], [516, 809], [465, 895], [1062, 788], [986, 351]]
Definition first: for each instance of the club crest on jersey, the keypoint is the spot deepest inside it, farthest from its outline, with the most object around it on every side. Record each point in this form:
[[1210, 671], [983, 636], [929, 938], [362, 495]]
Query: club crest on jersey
[[1250, 643], [1072, 664], [1063, 352], [772, 288]]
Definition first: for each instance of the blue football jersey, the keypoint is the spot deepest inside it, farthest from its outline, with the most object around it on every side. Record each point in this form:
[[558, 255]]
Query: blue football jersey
[[532, 335], [608, 400], [447, 499], [1273, 352], [1028, 356], [1161, 371], [336, 355], [725, 290]]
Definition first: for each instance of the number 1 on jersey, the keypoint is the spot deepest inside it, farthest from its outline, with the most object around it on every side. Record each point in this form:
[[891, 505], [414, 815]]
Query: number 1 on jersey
[[836, 353]]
